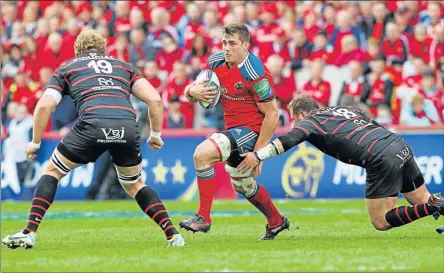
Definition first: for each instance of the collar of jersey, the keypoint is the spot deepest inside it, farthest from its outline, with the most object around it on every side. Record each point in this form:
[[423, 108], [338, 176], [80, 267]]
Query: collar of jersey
[[243, 62]]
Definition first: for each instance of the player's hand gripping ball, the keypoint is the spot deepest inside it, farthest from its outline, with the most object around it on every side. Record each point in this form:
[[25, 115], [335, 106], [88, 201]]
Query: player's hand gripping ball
[[206, 89]]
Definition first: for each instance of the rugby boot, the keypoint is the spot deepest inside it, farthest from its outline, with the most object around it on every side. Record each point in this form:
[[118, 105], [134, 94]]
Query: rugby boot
[[176, 241], [19, 239], [436, 200], [270, 233], [195, 223]]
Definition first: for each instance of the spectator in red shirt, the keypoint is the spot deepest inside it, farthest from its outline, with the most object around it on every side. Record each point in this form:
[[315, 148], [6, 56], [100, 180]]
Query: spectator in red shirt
[[285, 87], [194, 25], [322, 49], [430, 91], [265, 33], [122, 23], [310, 27], [357, 86], [169, 53], [53, 54], [381, 86], [160, 24], [380, 16], [279, 46], [120, 48], [69, 37], [32, 58], [151, 72], [395, 46], [420, 43], [344, 28], [412, 7], [316, 87], [42, 32], [350, 51], [175, 8], [23, 91], [437, 46], [414, 81], [329, 24], [176, 86]]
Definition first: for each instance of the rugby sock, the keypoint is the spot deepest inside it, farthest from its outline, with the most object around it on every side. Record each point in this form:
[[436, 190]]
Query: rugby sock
[[206, 183], [406, 214], [262, 201], [151, 205], [44, 194]]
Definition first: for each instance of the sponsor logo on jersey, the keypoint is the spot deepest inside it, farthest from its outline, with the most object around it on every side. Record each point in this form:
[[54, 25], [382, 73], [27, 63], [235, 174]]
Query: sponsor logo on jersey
[[262, 88], [239, 86], [302, 172], [223, 90], [404, 154], [112, 136]]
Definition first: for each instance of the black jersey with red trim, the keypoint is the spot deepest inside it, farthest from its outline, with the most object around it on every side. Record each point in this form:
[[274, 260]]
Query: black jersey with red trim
[[99, 85], [345, 133]]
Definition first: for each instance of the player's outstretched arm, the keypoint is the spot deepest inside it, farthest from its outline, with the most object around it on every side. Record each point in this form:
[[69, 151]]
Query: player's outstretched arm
[[42, 114], [277, 147], [144, 91]]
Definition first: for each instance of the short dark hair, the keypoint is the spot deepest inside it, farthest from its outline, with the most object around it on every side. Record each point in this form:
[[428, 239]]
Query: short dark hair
[[303, 103], [241, 29]]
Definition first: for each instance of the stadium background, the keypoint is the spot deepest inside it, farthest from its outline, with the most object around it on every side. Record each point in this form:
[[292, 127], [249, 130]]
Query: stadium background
[[340, 52]]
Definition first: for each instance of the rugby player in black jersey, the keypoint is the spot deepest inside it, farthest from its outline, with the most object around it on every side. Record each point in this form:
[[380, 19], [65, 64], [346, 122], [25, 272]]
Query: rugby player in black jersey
[[347, 134], [100, 86]]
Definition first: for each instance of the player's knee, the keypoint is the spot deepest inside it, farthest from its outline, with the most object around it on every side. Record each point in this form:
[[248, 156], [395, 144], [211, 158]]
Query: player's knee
[[199, 157], [56, 167], [241, 183]]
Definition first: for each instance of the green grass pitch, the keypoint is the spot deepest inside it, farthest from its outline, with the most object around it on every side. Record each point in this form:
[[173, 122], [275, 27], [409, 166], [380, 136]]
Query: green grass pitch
[[333, 235]]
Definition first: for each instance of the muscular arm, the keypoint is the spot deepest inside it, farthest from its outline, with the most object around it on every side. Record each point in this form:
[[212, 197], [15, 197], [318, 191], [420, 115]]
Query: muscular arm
[[144, 91], [282, 144], [42, 113], [270, 123]]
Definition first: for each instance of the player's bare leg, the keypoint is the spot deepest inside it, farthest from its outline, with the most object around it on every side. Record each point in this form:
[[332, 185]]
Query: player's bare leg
[[205, 155], [423, 204], [131, 180], [44, 194]]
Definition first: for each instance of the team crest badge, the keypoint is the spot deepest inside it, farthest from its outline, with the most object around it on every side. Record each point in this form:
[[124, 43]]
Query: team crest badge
[[239, 86]]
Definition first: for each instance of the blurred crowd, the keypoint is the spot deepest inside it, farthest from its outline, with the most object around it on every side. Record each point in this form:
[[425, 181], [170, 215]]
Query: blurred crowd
[[386, 56]]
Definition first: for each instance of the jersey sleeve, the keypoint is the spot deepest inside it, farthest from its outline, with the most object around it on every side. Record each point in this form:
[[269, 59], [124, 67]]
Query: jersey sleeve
[[58, 82], [135, 76], [300, 133], [263, 89]]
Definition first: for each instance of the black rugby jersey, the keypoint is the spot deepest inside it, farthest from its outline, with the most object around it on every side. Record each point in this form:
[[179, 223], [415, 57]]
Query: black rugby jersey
[[99, 85], [343, 132]]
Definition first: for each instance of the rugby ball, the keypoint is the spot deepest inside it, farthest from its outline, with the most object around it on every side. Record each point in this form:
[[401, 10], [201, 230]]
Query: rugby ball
[[213, 80]]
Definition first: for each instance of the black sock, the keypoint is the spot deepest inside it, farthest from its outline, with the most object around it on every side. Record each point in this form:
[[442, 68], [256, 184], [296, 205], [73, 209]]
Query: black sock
[[406, 214], [150, 203], [43, 197]]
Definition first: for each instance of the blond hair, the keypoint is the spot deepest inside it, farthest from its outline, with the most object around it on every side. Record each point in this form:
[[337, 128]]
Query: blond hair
[[90, 41]]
